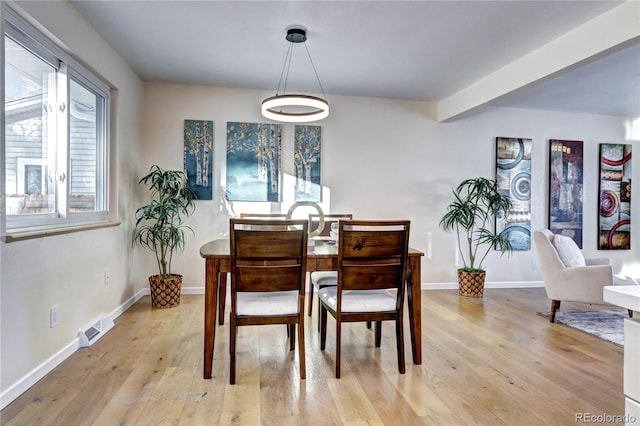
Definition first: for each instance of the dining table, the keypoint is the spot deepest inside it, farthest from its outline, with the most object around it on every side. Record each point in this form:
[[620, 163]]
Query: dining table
[[322, 255]]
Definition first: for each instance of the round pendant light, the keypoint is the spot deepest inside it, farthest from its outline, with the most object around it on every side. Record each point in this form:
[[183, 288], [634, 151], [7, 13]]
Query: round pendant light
[[295, 108]]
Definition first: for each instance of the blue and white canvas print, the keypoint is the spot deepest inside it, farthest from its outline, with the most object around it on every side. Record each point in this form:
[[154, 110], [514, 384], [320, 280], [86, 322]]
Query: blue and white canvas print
[[513, 175], [307, 141], [198, 157], [254, 161]]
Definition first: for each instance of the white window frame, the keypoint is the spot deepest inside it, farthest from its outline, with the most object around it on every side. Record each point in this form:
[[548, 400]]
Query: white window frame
[[19, 30]]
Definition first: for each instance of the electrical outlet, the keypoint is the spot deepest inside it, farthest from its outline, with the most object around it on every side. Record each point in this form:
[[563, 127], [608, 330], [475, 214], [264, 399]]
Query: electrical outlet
[[534, 263], [53, 316], [107, 278]]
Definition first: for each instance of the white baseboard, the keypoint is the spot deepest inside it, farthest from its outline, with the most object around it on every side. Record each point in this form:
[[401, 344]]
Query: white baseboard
[[22, 385], [495, 284], [192, 290]]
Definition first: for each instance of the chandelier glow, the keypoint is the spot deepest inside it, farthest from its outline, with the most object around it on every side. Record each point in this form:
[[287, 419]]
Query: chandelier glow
[[295, 108], [307, 108]]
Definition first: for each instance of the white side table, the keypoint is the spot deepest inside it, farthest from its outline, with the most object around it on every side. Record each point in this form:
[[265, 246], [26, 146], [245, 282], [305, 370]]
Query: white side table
[[628, 296]]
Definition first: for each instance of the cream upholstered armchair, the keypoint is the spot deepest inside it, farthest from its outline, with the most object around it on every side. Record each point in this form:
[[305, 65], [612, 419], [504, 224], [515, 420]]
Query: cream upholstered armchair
[[567, 275]]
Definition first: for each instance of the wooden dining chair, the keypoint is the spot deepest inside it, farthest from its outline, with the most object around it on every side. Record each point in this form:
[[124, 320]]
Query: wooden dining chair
[[318, 279], [268, 269], [222, 288], [372, 263]]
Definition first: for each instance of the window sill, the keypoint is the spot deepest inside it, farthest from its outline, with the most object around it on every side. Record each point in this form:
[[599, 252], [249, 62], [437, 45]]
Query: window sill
[[12, 237]]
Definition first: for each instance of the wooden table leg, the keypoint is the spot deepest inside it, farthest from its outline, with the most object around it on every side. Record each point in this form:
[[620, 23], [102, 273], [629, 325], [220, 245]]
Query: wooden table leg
[[414, 297], [222, 296], [212, 268]]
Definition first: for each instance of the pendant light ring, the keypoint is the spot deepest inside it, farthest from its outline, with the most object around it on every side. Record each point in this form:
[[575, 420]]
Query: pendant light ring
[[312, 108]]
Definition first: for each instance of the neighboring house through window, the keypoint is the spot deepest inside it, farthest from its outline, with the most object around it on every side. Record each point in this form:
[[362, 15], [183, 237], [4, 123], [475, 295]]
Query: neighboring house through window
[[56, 139]]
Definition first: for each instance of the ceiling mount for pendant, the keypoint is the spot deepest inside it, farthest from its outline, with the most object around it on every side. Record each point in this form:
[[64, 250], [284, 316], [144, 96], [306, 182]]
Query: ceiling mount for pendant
[[296, 35], [295, 107]]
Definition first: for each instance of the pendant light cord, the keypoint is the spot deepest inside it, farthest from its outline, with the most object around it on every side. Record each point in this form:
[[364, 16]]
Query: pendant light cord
[[285, 70], [315, 71], [287, 66]]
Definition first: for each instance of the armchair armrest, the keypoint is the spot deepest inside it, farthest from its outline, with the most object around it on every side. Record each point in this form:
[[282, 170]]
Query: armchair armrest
[[598, 261], [582, 284]]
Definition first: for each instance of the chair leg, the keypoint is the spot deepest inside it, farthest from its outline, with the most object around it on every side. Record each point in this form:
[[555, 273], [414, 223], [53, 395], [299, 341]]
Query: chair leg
[[369, 325], [310, 297], [319, 303], [378, 333], [400, 345], [555, 305], [222, 295], [323, 327], [338, 346], [301, 353], [232, 352], [292, 336]]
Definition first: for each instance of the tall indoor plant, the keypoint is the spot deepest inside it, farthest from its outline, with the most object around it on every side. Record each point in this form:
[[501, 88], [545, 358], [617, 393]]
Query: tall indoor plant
[[476, 203], [160, 227]]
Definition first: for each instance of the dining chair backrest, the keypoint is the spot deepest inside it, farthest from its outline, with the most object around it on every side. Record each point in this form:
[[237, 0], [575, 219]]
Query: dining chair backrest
[[372, 255], [266, 216], [329, 218], [268, 255]]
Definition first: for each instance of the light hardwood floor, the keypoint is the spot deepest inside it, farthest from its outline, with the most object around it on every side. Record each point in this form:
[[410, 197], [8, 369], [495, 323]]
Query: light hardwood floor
[[487, 361]]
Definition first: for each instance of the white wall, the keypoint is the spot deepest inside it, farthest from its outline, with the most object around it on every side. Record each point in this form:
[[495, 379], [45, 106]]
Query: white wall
[[384, 159], [68, 270]]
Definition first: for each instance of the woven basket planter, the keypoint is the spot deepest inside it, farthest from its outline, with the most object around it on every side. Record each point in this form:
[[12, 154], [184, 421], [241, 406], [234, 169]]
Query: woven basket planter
[[165, 292], [471, 283]]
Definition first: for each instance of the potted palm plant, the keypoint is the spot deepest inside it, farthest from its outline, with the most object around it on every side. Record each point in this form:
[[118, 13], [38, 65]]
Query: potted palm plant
[[476, 203], [160, 227]]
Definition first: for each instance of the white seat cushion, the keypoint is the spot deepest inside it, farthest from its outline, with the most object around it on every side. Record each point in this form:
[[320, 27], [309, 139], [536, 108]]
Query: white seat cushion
[[359, 300], [323, 278], [268, 303], [568, 251]]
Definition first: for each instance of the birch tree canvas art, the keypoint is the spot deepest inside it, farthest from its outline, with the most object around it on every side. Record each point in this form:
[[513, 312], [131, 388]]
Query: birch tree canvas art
[[307, 141], [254, 161], [198, 157]]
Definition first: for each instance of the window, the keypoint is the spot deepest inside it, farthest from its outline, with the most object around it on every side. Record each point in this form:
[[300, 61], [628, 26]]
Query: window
[[56, 122]]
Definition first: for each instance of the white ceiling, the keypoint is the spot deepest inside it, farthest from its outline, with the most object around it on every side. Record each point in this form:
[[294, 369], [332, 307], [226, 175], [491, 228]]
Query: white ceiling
[[414, 50]]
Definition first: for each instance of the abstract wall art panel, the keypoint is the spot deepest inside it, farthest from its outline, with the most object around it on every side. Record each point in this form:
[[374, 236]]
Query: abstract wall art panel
[[614, 219], [198, 157], [513, 174], [565, 188], [254, 162], [307, 144]]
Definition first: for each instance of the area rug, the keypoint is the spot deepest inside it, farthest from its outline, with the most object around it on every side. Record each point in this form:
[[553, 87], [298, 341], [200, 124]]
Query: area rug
[[607, 325]]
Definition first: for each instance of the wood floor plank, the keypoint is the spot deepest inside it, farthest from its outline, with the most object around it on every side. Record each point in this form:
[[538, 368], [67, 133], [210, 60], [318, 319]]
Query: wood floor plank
[[351, 401], [488, 361], [241, 404]]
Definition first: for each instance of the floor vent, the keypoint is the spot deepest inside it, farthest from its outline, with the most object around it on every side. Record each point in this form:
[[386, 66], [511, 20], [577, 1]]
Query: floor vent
[[91, 334]]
